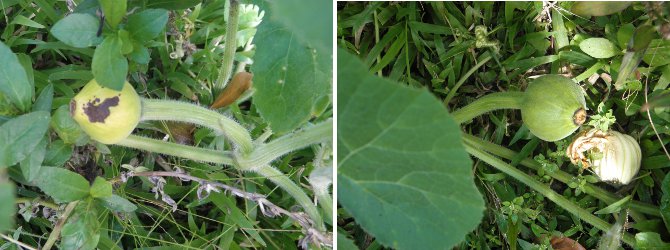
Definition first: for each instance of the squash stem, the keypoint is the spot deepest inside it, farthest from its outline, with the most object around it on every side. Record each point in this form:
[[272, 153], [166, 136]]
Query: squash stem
[[545, 191], [168, 110], [487, 103]]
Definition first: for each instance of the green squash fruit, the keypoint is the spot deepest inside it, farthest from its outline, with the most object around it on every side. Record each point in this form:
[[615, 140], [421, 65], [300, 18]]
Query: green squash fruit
[[106, 115], [553, 107]]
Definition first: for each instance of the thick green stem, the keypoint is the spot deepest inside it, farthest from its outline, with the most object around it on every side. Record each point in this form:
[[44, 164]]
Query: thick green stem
[[326, 204], [294, 190], [168, 148], [230, 47], [545, 191], [487, 103], [266, 153], [168, 110], [559, 175]]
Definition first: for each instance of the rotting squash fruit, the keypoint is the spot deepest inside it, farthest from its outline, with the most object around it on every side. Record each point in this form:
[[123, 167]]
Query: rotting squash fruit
[[106, 115], [553, 107], [613, 156]]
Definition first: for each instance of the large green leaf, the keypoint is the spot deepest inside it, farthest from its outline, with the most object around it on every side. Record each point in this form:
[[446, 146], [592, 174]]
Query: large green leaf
[[599, 8], [30, 166], [109, 66], [146, 25], [14, 82], [299, 17], [19, 136], [7, 206], [82, 230], [650, 241], [62, 185], [290, 79], [77, 30], [402, 171]]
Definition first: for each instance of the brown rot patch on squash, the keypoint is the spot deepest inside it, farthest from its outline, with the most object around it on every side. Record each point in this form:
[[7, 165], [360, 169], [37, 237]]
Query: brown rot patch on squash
[[73, 107], [99, 111], [579, 117]]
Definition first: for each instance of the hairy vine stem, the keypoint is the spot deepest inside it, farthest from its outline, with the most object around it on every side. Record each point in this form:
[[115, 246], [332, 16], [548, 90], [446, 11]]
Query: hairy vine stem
[[230, 47]]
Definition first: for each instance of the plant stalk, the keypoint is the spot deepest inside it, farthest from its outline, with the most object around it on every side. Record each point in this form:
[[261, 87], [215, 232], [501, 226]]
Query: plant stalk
[[326, 204], [294, 190], [230, 47], [55, 233], [559, 175], [545, 191], [266, 153], [487, 103], [168, 110], [169, 148]]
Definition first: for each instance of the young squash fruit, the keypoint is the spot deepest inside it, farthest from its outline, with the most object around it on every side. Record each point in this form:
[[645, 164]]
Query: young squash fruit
[[553, 107], [106, 115]]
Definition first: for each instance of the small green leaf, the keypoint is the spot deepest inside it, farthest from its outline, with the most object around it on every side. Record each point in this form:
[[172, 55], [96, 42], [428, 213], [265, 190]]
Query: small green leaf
[[228, 206], [407, 178], [66, 128], [44, 100], [140, 54], [62, 185], [649, 241], [146, 25], [345, 243], [114, 11], [19, 136], [657, 53], [58, 153], [289, 83], [665, 201], [30, 166], [22, 20], [109, 66], [14, 82], [77, 30], [118, 204], [101, 188], [615, 207], [599, 8], [7, 206], [599, 48], [82, 229], [126, 43]]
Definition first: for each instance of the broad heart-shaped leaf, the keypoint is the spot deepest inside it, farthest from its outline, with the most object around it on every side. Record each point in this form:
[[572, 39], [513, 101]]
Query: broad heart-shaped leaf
[[62, 185], [109, 66], [82, 229], [14, 82], [299, 17], [7, 206], [402, 171], [146, 25], [599, 48], [289, 79], [19, 136], [77, 30], [114, 11], [117, 204]]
